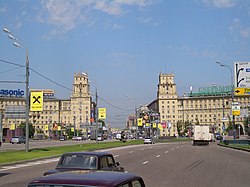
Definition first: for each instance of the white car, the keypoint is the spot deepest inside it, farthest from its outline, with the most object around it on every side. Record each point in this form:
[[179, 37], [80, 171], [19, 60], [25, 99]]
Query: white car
[[148, 140]]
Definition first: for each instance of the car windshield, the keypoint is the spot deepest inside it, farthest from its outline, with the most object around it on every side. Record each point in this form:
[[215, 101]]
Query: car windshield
[[78, 161]]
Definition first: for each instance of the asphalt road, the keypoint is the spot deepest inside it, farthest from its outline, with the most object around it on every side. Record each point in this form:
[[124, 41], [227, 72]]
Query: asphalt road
[[160, 165]]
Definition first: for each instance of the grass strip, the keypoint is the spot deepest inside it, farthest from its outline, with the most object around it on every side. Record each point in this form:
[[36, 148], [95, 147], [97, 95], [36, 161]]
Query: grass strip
[[237, 146], [22, 155]]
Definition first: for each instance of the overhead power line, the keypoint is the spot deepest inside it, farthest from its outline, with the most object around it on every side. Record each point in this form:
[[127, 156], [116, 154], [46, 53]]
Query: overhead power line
[[58, 84]]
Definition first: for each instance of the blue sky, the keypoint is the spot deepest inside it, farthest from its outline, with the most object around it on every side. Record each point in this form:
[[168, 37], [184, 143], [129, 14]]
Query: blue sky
[[123, 45]]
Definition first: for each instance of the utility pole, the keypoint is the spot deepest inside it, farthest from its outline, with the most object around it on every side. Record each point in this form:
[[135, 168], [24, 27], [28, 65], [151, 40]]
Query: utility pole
[[96, 116], [1, 129]]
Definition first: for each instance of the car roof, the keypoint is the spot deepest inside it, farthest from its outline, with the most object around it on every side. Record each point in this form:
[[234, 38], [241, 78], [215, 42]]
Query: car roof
[[88, 153], [96, 178]]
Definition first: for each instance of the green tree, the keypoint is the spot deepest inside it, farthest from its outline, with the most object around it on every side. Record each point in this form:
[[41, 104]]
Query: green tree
[[31, 129], [246, 122]]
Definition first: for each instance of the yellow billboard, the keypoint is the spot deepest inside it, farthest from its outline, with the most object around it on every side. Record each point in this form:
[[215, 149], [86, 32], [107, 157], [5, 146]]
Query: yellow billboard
[[101, 113], [139, 122], [36, 101]]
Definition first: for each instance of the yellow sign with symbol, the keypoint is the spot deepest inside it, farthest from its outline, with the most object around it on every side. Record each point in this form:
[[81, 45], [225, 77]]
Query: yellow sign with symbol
[[102, 113], [242, 91], [36, 101], [139, 122]]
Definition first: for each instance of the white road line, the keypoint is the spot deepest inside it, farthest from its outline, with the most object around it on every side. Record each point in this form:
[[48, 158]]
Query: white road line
[[166, 151], [4, 168], [145, 162], [172, 149], [131, 152], [116, 156], [177, 147], [158, 156]]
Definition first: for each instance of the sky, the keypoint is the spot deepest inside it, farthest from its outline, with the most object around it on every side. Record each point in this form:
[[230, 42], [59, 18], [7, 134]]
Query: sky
[[123, 46]]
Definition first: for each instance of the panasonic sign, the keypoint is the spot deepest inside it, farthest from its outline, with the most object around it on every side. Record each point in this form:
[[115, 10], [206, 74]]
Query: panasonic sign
[[15, 93]]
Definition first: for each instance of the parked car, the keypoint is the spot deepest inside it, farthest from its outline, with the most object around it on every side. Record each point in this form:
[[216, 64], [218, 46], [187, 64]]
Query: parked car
[[62, 138], [218, 136], [100, 138], [77, 138], [18, 140], [148, 140], [89, 178], [86, 161]]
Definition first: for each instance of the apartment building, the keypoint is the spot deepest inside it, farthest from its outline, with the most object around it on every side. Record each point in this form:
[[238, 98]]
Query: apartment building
[[209, 105], [57, 114]]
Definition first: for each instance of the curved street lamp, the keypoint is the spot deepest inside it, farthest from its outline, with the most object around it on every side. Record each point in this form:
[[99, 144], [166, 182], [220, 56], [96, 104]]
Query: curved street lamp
[[232, 91], [18, 42]]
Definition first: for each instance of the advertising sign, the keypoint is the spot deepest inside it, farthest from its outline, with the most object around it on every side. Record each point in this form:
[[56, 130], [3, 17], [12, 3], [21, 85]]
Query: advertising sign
[[154, 125], [11, 93], [101, 113], [139, 122], [36, 101]]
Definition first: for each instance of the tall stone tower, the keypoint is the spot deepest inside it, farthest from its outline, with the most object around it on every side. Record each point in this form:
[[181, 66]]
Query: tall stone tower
[[168, 104], [80, 101]]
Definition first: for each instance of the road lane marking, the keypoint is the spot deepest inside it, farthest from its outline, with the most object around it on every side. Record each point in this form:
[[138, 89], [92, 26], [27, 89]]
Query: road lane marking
[[166, 151], [172, 149], [158, 156], [177, 147], [116, 156], [145, 162], [131, 152], [4, 168]]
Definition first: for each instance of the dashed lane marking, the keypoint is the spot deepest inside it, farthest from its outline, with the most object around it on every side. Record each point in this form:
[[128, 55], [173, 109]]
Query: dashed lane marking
[[4, 168], [116, 156], [158, 156], [145, 162], [131, 152], [166, 151]]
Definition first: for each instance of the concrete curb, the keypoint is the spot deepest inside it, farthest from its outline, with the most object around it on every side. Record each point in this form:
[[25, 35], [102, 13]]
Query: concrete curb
[[238, 148]]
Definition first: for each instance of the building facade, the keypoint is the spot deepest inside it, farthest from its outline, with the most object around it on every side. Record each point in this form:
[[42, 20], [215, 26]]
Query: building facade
[[211, 106], [57, 114]]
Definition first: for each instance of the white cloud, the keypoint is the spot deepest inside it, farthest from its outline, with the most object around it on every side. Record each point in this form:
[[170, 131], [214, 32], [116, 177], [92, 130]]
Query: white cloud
[[221, 3], [239, 30], [135, 2], [147, 20], [245, 32], [108, 7], [65, 15]]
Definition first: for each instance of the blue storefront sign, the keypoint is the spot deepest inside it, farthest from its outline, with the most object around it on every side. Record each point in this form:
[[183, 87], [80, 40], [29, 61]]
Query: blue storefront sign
[[12, 93]]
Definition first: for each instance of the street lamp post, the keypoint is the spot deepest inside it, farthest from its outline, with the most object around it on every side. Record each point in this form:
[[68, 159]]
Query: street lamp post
[[135, 115], [20, 44], [232, 91]]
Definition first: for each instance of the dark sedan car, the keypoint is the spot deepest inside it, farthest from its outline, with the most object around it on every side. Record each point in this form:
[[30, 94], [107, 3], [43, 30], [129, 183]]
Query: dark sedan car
[[86, 161], [89, 178]]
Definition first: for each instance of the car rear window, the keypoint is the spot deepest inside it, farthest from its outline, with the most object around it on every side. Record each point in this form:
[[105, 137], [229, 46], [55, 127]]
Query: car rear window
[[78, 161]]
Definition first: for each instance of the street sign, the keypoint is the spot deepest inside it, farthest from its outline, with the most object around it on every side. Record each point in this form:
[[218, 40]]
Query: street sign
[[224, 119], [242, 91], [236, 110], [242, 74], [36, 101], [101, 113]]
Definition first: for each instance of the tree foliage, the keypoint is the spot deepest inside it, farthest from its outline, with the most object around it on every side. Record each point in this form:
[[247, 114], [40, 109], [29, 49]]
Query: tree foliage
[[31, 129]]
